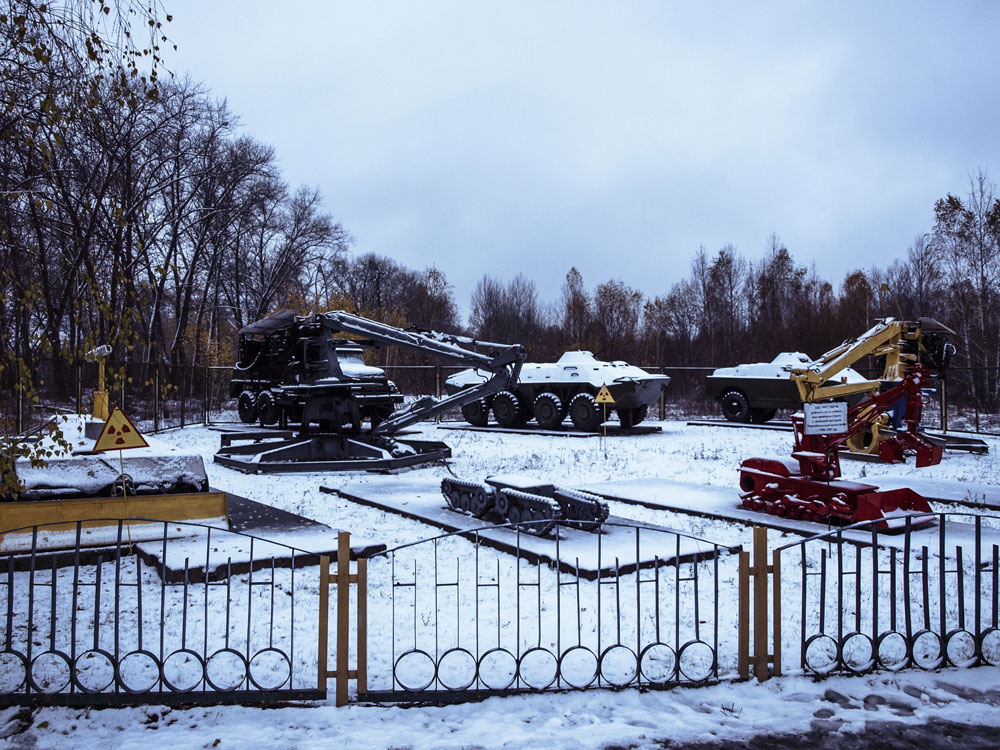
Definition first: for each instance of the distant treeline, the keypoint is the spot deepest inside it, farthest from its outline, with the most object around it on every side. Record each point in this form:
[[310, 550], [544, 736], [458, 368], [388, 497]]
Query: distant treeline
[[133, 212]]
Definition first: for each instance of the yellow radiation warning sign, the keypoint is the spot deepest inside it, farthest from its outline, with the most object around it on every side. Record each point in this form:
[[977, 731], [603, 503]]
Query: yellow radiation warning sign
[[119, 433], [604, 396]]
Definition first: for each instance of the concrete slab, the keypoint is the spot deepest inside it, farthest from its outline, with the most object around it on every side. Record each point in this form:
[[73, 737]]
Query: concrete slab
[[618, 546], [263, 536], [257, 533]]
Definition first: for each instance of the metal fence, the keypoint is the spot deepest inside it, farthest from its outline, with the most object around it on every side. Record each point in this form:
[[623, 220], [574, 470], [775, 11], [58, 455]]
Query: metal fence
[[452, 618], [926, 597], [146, 611], [922, 591]]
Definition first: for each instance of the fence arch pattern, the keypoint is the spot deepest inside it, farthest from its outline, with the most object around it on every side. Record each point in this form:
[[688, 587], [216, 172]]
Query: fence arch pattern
[[158, 612], [924, 597], [463, 619]]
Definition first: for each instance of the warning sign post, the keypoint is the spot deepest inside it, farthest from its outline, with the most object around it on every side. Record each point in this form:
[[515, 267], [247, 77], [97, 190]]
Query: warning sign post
[[119, 434]]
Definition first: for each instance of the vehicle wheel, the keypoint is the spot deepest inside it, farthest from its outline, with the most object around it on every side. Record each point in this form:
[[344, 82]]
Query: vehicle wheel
[[735, 406], [267, 410], [507, 409], [586, 414], [548, 410], [639, 413], [477, 413], [246, 407], [760, 416]]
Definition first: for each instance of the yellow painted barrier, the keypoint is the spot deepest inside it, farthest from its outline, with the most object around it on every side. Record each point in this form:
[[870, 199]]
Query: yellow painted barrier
[[64, 514]]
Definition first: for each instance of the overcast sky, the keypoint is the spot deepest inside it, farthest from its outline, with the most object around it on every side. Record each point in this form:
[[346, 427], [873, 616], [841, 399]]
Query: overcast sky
[[530, 137]]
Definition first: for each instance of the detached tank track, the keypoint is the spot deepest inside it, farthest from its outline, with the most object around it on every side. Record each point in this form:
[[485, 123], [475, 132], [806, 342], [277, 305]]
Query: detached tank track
[[582, 509], [468, 497], [521, 507]]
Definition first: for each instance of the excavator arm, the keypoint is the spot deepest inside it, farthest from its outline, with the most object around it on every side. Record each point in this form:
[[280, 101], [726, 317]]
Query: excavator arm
[[505, 366], [900, 342]]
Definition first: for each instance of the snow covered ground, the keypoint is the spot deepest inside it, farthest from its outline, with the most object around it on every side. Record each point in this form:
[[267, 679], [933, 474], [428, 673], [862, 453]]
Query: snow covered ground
[[592, 719]]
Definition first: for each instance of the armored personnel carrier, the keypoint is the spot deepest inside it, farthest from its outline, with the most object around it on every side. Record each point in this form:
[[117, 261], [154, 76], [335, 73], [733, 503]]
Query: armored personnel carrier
[[754, 392], [548, 392]]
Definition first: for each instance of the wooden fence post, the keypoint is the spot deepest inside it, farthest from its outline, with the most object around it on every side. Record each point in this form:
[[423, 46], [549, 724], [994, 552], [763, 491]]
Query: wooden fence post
[[343, 579], [362, 672], [760, 602], [343, 613], [759, 571]]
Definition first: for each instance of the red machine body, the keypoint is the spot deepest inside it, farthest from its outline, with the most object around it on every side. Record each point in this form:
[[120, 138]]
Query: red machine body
[[808, 486]]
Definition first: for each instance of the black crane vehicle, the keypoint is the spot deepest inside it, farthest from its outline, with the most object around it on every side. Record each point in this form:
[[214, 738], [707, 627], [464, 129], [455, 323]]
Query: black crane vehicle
[[295, 369]]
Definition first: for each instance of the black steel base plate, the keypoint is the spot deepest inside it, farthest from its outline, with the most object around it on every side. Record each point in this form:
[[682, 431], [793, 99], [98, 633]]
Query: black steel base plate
[[327, 453]]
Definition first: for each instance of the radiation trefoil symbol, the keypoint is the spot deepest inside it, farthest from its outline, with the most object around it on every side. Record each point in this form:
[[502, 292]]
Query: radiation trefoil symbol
[[119, 433]]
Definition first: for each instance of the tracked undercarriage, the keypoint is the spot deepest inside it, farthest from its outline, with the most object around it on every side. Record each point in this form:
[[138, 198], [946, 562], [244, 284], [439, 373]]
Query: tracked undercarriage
[[519, 500]]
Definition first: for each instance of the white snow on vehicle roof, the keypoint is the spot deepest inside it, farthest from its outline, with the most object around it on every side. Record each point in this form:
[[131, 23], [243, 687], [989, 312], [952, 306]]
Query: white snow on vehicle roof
[[571, 366], [781, 367]]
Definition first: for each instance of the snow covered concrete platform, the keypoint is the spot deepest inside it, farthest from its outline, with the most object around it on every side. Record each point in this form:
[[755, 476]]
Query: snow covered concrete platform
[[249, 531], [612, 430], [946, 490], [260, 536], [719, 503], [622, 544]]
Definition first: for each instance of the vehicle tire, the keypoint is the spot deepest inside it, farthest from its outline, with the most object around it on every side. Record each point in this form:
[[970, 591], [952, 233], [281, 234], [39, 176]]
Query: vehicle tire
[[625, 418], [267, 410], [477, 413], [585, 413], [735, 406], [760, 416], [508, 410], [246, 407], [629, 418], [548, 411]]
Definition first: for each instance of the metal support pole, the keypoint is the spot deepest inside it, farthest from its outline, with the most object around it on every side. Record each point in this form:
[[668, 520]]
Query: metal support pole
[[743, 657], [944, 406], [156, 398], [183, 393], [437, 388], [324, 621]]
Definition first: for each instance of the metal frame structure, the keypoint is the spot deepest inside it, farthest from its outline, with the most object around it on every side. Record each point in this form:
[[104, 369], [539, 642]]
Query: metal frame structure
[[121, 626], [461, 632], [879, 607]]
